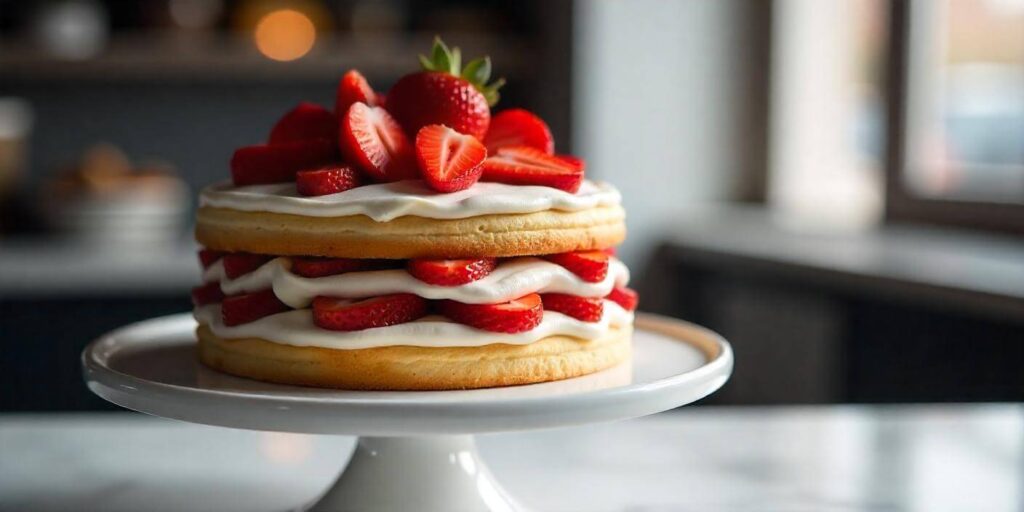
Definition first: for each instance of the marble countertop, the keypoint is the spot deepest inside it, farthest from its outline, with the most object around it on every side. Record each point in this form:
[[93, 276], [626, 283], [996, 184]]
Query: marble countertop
[[882, 458]]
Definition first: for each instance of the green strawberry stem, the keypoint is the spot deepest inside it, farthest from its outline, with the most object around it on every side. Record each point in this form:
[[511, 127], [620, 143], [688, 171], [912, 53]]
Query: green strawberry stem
[[477, 71]]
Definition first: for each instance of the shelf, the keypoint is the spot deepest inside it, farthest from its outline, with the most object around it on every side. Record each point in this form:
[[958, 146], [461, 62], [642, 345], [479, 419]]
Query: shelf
[[182, 56]]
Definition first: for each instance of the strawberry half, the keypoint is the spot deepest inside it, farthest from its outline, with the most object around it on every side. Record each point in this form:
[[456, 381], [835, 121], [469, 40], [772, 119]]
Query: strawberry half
[[238, 264], [329, 179], [585, 309], [307, 121], [448, 160], [625, 297], [523, 165], [518, 315], [253, 165], [245, 308], [446, 93], [591, 266], [348, 315], [320, 267], [354, 88], [519, 127], [372, 140], [208, 257], [208, 293], [450, 272]]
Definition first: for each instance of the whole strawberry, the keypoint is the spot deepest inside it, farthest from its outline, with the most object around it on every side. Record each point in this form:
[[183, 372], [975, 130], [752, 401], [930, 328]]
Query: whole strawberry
[[445, 93]]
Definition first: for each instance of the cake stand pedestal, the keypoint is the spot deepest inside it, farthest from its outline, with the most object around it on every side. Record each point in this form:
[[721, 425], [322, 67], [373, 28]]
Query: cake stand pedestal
[[416, 450]]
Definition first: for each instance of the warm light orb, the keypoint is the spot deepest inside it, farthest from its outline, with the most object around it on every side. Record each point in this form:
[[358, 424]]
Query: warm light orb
[[285, 35]]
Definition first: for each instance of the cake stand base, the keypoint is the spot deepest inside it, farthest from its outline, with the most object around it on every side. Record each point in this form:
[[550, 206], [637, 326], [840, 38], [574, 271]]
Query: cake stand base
[[427, 474]]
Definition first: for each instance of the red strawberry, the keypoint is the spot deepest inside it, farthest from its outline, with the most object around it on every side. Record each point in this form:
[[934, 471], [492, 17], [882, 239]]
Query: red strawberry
[[444, 93], [208, 257], [208, 293], [591, 266], [372, 140], [278, 163], [320, 267], [450, 272], [521, 165], [307, 121], [354, 315], [610, 251], [586, 309], [242, 309], [329, 179], [353, 88], [448, 160], [625, 297], [518, 315], [240, 263], [574, 161], [519, 127]]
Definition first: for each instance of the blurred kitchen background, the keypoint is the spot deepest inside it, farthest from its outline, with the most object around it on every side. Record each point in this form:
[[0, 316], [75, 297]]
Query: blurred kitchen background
[[836, 186]]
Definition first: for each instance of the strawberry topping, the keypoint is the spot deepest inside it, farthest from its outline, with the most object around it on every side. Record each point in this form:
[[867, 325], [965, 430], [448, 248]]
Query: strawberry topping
[[450, 272], [320, 267], [625, 297], [519, 127], [252, 165], [372, 140], [353, 88], [523, 165], [208, 293], [519, 315], [307, 121], [242, 309], [585, 309], [208, 257], [354, 315], [591, 266], [329, 179], [238, 264], [448, 160]]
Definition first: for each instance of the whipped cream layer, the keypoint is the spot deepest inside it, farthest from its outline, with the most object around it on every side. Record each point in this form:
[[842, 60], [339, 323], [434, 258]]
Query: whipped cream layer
[[297, 328], [387, 201], [510, 280]]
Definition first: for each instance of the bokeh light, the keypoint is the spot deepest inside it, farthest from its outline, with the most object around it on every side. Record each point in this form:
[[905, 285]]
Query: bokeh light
[[285, 35]]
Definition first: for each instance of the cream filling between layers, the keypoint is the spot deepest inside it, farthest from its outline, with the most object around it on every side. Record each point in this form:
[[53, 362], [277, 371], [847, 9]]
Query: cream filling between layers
[[383, 202], [297, 328], [510, 280]]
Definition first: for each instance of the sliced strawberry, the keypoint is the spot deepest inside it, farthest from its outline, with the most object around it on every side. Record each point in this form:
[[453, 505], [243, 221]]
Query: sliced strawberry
[[518, 315], [574, 161], [307, 121], [312, 266], [252, 165], [625, 297], [591, 266], [585, 309], [208, 257], [238, 264], [450, 272], [522, 165], [354, 88], [208, 293], [245, 308], [449, 161], [372, 140], [354, 315], [519, 127], [329, 179]]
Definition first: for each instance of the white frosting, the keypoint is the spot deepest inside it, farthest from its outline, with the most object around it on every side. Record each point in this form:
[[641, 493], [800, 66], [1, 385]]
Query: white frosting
[[297, 328], [386, 201], [510, 280]]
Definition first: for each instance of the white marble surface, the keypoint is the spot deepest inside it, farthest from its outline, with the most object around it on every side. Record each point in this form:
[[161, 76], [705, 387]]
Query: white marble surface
[[918, 458]]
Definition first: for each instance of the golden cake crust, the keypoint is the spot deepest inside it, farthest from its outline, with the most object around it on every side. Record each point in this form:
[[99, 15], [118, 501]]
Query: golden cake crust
[[414, 368], [359, 236]]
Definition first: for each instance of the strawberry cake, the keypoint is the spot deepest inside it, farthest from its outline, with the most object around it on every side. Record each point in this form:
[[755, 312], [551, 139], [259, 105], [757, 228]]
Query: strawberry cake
[[411, 241]]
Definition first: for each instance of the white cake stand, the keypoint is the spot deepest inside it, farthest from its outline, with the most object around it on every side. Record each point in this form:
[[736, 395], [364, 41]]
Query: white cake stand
[[416, 450]]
